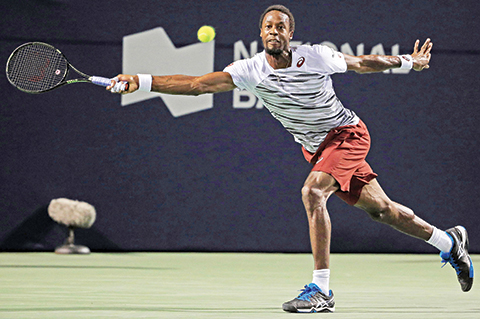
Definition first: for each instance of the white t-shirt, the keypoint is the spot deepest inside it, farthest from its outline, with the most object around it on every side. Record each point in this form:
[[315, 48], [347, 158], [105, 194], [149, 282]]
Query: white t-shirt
[[301, 97]]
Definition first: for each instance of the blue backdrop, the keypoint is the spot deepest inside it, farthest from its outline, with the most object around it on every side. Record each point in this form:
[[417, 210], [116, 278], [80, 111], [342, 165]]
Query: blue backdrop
[[229, 178]]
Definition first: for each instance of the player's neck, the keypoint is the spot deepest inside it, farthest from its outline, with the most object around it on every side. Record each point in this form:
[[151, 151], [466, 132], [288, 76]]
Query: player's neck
[[280, 61]]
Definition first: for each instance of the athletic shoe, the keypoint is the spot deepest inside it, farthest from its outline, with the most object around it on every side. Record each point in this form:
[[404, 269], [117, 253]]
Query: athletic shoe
[[311, 299], [458, 257]]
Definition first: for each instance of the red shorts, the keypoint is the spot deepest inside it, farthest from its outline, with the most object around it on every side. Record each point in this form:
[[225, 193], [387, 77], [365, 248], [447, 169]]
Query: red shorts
[[342, 155]]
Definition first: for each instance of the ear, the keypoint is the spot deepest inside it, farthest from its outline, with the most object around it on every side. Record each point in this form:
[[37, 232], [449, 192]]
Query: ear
[[291, 35]]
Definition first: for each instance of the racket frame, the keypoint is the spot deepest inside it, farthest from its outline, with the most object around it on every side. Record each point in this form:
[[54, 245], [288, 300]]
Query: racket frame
[[85, 77]]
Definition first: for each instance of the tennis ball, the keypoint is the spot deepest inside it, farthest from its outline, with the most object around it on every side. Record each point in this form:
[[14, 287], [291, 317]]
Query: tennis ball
[[206, 33]]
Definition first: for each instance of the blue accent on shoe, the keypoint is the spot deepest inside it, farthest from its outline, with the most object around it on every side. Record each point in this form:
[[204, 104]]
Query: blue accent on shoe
[[453, 241], [471, 267], [447, 258], [308, 291]]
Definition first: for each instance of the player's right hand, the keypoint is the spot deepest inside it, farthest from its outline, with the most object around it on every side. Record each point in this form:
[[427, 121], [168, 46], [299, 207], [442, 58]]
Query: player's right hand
[[123, 84]]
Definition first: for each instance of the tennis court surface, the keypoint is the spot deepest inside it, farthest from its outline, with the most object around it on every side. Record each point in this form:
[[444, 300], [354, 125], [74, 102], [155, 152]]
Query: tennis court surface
[[226, 285]]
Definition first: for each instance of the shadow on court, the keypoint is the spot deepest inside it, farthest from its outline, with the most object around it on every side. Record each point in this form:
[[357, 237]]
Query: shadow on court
[[39, 232]]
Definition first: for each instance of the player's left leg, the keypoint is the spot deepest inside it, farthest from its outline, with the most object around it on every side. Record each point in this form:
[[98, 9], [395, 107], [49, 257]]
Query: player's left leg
[[453, 243], [376, 203]]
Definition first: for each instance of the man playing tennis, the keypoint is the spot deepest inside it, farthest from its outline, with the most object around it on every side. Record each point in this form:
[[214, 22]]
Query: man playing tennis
[[294, 84]]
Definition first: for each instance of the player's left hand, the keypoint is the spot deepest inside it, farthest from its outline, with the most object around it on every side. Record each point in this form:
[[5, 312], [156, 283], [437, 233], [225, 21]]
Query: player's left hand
[[422, 58]]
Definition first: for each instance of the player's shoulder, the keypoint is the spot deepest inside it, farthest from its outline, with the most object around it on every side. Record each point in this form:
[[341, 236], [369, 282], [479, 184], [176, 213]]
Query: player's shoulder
[[247, 73], [320, 58], [248, 64], [319, 49], [257, 59]]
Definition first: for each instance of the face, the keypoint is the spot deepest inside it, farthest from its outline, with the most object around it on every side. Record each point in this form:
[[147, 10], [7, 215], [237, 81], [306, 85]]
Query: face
[[275, 32]]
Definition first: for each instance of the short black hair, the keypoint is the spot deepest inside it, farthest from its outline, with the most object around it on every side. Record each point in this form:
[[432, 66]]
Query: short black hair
[[281, 8]]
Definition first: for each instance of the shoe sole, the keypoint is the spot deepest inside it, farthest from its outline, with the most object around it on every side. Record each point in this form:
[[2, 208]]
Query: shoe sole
[[328, 309], [463, 230], [466, 243], [312, 310]]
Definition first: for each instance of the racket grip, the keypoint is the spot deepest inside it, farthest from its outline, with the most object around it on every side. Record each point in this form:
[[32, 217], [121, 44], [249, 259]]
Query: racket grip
[[98, 80]]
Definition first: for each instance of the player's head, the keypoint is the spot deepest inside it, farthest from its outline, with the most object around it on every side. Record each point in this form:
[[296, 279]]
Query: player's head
[[283, 9], [276, 29]]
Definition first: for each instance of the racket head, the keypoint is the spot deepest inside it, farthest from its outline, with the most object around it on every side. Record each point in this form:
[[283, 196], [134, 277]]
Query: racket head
[[36, 67]]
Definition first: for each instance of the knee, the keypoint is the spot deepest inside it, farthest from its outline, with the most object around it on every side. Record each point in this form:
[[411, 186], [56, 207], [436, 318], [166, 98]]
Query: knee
[[313, 193], [307, 191], [316, 190], [382, 212], [314, 198], [389, 212]]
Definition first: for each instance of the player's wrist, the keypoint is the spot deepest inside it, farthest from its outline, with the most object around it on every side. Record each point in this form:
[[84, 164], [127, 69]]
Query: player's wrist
[[406, 61], [144, 82]]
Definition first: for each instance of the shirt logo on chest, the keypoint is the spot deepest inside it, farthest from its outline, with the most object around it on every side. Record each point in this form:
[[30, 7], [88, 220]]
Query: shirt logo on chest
[[300, 62]]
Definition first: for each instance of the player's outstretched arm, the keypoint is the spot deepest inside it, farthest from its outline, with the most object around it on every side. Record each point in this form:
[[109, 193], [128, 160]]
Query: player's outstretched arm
[[379, 63], [214, 82]]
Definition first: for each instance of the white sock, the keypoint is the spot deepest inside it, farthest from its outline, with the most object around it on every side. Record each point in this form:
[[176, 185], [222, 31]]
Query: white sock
[[440, 240], [321, 278]]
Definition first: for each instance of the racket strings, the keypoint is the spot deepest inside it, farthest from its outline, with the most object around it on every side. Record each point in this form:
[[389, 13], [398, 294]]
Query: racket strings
[[36, 67]]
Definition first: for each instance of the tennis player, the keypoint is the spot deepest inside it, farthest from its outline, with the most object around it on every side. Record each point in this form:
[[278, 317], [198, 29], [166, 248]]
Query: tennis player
[[294, 84]]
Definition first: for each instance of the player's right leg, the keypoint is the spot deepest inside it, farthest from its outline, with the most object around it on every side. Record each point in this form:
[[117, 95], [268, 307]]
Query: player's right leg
[[318, 187], [311, 299], [316, 296]]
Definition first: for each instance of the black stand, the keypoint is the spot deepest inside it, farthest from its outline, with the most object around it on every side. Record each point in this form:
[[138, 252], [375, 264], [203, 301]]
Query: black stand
[[69, 247]]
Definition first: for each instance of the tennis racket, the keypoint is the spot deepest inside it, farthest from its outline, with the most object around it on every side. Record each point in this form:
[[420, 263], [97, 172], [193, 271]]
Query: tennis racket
[[37, 67]]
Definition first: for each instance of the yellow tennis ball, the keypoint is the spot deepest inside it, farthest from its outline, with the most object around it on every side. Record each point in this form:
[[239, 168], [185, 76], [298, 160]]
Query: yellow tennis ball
[[206, 33]]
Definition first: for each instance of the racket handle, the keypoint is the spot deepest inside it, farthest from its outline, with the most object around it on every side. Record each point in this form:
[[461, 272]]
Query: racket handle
[[98, 80]]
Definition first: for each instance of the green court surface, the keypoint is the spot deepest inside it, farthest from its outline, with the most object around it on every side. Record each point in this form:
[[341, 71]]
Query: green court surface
[[226, 285]]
